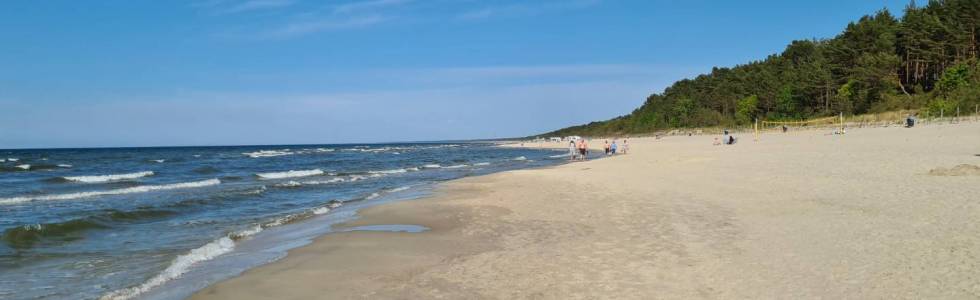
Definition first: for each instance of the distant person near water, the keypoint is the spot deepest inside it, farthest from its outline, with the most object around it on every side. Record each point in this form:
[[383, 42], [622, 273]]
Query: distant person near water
[[572, 151], [606, 146], [583, 149]]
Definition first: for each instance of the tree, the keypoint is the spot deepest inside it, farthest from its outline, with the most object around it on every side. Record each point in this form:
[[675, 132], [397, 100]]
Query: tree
[[927, 59], [746, 109]]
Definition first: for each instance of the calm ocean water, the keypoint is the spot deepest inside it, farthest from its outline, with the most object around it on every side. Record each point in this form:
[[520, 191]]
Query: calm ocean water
[[138, 222]]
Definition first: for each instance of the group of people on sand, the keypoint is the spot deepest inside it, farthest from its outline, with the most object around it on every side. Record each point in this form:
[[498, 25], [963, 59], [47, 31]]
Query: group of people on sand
[[726, 138], [579, 150]]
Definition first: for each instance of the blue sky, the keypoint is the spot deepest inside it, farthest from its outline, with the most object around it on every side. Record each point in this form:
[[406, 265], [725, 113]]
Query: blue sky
[[232, 72]]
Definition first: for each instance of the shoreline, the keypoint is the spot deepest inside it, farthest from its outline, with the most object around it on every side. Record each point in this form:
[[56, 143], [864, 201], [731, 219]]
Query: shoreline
[[793, 215]]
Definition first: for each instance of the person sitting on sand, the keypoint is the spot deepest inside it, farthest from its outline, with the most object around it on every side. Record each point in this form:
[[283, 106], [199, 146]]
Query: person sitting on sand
[[727, 138], [612, 148], [717, 142]]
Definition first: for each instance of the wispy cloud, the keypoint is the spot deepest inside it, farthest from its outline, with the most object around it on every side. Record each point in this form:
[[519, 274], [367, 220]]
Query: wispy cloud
[[524, 9], [308, 18], [259, 4], [239, 6], [304, 27], [367, 5], [351, 15]]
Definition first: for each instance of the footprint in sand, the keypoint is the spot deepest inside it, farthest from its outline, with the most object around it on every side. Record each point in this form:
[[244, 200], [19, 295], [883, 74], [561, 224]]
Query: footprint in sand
[[960, 170]]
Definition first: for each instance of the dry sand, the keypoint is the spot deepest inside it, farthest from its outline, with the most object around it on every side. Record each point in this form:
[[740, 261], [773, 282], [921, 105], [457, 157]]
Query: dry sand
[[797, 215]]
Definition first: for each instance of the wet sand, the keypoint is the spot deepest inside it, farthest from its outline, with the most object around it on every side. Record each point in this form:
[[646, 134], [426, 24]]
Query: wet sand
[[796, 215]]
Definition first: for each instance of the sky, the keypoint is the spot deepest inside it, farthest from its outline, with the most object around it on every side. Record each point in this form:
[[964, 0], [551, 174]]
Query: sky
[[247, 72]]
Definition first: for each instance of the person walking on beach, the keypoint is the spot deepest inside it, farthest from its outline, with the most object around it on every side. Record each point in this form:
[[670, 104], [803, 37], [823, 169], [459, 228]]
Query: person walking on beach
[[612, 148], [606, 147], [582, 149], [572, 150], [626, 147]]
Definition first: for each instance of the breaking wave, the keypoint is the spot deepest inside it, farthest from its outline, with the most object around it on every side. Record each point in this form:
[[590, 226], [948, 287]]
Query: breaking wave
[[268, 153], [183, 263], [129, 190], [289, 174], [108, 178], [28, 235], [178, 266], [394, 171]]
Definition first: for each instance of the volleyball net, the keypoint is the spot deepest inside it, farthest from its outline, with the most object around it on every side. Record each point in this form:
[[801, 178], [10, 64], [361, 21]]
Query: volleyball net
[[835, 122]]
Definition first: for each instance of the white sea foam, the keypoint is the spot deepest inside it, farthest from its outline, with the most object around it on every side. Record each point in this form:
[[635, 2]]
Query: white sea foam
[[482, 164], [321, 210], [289, 174], [281, 220], [559, 156], [520, 158], [107, 178], [399, 189], [331, 180], [64, 166], [13, 159], [24, 166], [456, 166], [289, 184], [129, 190], [373, 196], [394, 171], [257, 191], [432, 166], [268, 153], [247, 232], [178, 267], [159, 161], [324, 150]]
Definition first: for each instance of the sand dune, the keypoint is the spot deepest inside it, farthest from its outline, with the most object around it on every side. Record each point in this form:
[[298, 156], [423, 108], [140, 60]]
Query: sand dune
[[797, 215]]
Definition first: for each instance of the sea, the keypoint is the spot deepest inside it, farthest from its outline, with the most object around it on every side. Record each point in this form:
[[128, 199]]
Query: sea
[[161, 223]]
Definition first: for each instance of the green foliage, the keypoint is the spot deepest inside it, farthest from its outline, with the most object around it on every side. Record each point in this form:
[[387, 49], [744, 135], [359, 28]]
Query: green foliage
[[927, 59], [953, 79], [746, 109], [940, 106], [786, 107]]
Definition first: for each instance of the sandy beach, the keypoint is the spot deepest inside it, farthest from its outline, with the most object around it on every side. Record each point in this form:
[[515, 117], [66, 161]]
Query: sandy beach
[[880, 213]]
